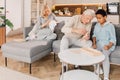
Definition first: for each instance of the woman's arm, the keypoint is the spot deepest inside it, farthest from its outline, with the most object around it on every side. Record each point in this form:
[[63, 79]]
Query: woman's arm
[[35, 28], [45, 24], [50, 18]]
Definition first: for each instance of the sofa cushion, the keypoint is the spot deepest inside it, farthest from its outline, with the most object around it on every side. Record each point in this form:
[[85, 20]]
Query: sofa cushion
[[116, 52], [58, 28], [115, 56], [56, 46], [26, 49]]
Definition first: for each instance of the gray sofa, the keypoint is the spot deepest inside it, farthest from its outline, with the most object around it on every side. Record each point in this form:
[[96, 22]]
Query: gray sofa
[[114, 57], [31, 51], [28, 51]]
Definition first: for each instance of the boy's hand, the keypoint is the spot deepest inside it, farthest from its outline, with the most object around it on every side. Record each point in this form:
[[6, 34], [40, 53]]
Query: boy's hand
[[94, 46], [106, 47]]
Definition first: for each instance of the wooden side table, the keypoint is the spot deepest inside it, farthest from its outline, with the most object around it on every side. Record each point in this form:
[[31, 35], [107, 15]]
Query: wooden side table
[[2, 35]]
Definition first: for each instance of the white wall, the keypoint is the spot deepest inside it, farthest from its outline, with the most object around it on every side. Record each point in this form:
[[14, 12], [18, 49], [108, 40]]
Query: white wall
[[1, 2], [14, 13], [27, 13], [19, 13]]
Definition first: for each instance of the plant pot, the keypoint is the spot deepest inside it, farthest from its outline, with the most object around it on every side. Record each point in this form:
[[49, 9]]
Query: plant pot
[[2, 35]]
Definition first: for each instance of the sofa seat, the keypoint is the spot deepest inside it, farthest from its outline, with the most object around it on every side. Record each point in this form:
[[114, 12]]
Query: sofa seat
[[115, 56], [26, 51], [29, 51], [56, 46]]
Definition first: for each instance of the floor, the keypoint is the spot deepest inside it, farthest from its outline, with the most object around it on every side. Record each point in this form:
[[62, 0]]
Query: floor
[[46, 69]]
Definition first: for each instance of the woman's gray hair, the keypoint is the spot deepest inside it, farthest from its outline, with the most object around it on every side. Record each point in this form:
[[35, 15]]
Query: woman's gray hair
[[89, 12]]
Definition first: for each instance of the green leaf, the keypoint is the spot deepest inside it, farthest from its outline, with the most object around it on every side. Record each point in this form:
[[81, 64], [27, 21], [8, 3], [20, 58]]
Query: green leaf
[[3, 17], [9, 23]]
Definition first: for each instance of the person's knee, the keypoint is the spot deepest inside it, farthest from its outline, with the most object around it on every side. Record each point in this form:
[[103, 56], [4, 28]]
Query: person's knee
[[64, 44], [52, 25], [64, 39]]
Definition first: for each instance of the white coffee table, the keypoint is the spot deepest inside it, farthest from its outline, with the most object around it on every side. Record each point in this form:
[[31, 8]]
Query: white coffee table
[[75, 57], [78, 75]]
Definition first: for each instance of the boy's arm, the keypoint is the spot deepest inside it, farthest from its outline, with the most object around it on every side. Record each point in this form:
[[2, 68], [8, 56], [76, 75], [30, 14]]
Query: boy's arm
[[112, 38], [107, 47]]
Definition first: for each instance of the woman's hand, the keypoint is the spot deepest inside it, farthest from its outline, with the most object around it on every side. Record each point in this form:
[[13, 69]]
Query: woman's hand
[[45, 24], [86, 36], [81, 31]]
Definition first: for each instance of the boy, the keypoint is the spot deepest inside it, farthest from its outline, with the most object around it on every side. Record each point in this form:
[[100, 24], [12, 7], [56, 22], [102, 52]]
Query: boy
[[104, 39]]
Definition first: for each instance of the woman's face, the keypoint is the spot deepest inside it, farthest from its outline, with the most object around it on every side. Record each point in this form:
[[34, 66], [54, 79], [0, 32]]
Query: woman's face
[[46, 12], [85, 19]]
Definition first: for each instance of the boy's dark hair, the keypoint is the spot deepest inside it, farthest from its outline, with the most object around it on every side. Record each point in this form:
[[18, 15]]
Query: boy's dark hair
[[102, 12]]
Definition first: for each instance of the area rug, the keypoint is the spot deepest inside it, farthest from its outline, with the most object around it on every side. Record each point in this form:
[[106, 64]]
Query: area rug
[[9, 74]]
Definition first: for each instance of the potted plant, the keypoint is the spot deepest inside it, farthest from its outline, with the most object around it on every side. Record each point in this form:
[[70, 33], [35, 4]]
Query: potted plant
[[4, 21]]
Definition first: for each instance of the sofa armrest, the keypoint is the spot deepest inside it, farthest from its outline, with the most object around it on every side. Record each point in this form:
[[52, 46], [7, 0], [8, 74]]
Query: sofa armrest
[[26, 30]]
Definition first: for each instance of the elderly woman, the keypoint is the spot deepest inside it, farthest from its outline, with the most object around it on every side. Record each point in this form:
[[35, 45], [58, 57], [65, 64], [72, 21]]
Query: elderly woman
[[44, 28]]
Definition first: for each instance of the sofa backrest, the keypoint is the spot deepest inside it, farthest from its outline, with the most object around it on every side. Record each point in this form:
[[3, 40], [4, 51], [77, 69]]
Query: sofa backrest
[[117, 30], [62, 23], [92, 28], [58, 28], [26, 31]]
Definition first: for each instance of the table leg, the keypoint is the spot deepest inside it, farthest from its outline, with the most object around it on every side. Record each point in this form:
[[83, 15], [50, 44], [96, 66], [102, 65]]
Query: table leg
[[62, 68], [98, 67]]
